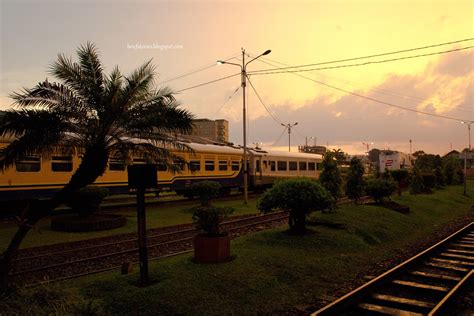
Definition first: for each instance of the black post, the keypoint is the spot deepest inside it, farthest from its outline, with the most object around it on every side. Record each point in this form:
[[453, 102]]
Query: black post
[[142, 246]]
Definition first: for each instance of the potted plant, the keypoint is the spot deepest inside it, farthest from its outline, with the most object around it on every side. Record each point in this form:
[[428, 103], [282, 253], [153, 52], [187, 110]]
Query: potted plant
[[212, 245]]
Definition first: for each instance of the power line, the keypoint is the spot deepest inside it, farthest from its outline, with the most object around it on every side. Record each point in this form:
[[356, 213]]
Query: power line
[[373, 99], [227, 100], [281, 135], [261, 101], [379, 55], [273, 71], [387, 92], [209, 82], [195, 71]]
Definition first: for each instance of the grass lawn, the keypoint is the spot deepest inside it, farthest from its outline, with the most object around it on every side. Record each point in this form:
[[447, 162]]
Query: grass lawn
[[272, 271], [156, 217]]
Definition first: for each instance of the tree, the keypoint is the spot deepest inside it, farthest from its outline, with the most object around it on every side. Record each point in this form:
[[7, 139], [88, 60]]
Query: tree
[[91, 114], [330, 177], [451, 164], [299, 197], [355, 180], [379, 189], [400, 176], [339, 155], [426, 163], [418, 153], [374, 154]]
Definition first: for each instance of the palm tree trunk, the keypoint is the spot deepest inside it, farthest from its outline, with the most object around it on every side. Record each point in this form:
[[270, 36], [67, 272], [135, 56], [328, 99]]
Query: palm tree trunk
[[92, 166]]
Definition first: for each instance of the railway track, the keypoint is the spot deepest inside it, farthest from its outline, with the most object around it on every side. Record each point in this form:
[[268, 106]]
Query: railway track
[[422, 285], [97, 256]]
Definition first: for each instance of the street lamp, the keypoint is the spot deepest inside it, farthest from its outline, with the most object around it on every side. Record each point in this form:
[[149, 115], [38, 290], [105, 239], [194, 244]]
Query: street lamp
[[468, 123], [289, 126], [243, 69], [367, 145]]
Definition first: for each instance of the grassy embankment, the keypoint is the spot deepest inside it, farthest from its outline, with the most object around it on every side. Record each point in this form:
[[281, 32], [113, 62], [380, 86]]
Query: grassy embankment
[[156, 217], [273, 271]]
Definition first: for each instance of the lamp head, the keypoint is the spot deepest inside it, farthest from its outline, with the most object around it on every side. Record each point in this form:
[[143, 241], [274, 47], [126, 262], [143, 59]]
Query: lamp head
[[268, 51], [220, 62]]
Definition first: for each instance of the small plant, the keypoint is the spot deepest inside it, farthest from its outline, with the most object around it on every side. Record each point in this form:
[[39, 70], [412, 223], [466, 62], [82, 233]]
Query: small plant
[[86, 201], [206, 217], [299, 197], [380, 189], [209, 219]]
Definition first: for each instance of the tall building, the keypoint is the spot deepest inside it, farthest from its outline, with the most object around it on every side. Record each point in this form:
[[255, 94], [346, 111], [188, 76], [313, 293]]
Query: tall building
[[217, 130]]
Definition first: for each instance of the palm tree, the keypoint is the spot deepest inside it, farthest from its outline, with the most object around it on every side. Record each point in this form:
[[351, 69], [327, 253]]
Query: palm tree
[[91, 114]]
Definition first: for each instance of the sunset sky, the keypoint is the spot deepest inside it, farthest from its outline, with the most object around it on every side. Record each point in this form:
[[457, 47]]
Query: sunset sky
[[190, 35]]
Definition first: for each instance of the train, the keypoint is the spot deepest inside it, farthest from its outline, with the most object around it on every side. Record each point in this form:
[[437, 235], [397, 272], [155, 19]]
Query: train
[[38, 177]]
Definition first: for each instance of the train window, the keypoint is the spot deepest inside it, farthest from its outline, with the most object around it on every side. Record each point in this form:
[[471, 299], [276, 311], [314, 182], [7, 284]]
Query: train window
[[272, 166], [61, 163], [303, 166], [195, 165], [222, 165], [257, 165], [265, 165], [311, 166], [293, 165], [235, 166], [116, 164], [179, 164], [161, 166], [28, 164], [209, 165], [282, 165]]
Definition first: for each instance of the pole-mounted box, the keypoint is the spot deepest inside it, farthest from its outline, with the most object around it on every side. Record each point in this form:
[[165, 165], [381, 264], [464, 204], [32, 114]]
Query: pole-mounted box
[[143, 176]]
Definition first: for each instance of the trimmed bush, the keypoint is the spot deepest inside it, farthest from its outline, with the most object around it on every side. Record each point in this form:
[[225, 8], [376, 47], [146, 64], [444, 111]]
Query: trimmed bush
[[416, 182], [400, 175], [429, 181], [330, 177], [355, 184], [299, 197], [86, 201], [379, 189], [205, 191]]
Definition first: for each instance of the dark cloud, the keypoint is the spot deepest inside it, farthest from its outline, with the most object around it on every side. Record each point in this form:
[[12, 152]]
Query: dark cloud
[[456, 64]]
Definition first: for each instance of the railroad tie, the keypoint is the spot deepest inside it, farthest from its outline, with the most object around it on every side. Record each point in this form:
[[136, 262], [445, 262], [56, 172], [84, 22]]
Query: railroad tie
[[387, 310], [468, 252], [421, 285], [436, 276], [403, 300], [444, 266], [454, 262], [452, 255]]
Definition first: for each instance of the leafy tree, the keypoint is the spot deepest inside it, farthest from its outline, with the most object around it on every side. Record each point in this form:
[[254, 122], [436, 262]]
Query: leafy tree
[[205, 191], [339, 155], [299, 197], [439, 176], [374, 154], [400, 175], [426, 163], [330, 177], [355, 180], [380, 189], [418, 153], [451, 164], [95, 115], [416, 182]]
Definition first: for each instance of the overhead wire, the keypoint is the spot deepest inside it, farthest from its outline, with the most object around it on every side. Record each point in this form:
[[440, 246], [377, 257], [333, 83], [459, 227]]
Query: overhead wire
[[290, 70], [227, 100], [373, 99], [209, 82], [381, 54], [261, 101], [281, 135]]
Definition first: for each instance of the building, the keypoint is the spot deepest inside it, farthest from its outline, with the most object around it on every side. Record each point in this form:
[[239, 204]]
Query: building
[[217, 130], [394, 160]]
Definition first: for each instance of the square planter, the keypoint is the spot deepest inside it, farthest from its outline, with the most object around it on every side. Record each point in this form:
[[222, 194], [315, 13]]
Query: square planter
[[211, 249]]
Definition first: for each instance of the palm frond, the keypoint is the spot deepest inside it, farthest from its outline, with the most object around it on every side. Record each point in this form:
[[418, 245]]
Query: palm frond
[[92, 73], [138, 84]]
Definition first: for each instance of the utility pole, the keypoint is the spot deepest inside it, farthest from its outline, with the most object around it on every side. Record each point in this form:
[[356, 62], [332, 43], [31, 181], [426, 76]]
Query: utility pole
[[289, 126], [410, 147], [468, 123], [243, 69]]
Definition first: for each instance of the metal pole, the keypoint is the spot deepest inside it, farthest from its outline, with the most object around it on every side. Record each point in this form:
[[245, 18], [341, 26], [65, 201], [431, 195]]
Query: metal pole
[[465, 173], [244, 83], [469, 133], [142, 247], [289, 137]]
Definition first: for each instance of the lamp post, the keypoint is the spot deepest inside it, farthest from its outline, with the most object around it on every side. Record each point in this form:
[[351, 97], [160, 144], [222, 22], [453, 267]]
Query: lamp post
[[468, 123], [367, 146], [243, 69], [289, 126]]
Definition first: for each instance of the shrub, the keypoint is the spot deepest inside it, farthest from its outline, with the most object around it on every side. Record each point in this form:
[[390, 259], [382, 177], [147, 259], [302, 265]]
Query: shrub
[[439, 177], [209, 218], [460, 176], [86, 201], [355, 184], [379, 189], [416, 182], [205, 191], [299, 197], [429, 181], [400, 175], [330, 177]]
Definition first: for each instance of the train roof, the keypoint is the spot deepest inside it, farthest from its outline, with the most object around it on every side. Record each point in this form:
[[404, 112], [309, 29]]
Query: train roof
[[285, 154]]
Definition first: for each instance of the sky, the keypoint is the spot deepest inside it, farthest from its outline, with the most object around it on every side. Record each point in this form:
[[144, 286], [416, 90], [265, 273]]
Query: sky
[[190, 36]]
